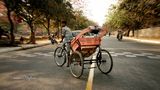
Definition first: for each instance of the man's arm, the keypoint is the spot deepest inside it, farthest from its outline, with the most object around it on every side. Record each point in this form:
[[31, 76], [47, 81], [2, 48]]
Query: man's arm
[[63, 33]]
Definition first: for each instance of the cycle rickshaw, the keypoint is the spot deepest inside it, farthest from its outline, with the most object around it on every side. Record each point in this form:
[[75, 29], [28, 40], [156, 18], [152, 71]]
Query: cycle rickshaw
[[82, 47]]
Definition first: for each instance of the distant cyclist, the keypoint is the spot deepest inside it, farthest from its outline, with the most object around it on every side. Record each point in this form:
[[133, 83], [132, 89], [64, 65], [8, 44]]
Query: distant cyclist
[[120, 35]]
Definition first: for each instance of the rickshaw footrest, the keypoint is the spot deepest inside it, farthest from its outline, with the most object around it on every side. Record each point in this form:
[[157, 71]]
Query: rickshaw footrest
[[89, 68], [89, 62]]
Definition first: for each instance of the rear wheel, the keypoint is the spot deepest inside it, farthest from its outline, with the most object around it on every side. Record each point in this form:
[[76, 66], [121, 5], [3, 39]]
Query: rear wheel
[[104, 61], [60, 56], [76, 65]]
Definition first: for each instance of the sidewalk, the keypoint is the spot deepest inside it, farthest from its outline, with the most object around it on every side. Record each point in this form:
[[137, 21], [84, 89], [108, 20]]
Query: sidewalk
[[152, 41], [47, 42], [25, 46]]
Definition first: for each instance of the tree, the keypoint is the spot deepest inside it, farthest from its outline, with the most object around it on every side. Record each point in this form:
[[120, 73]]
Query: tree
[[134, 14], [10, 5], [29, 11], [48, 8], [81, 21], [55, 10]]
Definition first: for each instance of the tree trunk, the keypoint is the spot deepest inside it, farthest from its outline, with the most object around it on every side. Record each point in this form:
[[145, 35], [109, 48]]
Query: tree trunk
[[128, 33], [12, 41], [48, 26], [133, 32], [32, 37]]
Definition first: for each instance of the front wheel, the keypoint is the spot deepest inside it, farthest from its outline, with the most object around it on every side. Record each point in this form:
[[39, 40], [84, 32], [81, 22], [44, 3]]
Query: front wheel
[[60, 56], [76, 65], [104, 61]]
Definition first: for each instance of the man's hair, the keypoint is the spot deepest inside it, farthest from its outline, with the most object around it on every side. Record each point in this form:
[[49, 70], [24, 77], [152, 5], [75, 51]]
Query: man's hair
[[64, 22]]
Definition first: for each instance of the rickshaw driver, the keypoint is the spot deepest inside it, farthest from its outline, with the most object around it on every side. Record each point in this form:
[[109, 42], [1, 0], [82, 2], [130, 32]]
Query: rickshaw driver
[[66, 35]]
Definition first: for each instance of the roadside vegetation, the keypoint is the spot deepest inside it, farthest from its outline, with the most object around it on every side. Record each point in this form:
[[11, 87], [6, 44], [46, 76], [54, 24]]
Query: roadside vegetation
[[131, 15], [39, 16]]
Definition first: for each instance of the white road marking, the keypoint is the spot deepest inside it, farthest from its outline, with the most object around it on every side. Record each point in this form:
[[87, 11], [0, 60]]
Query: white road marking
[[24, 77], [153, 57], [139, 54], [111, 52], [25, 55], [51, 52], [120, 54], [157, 55], [147, 53], [6, 56], [127, 53], [130, 55], [114, 55], [43, 54]]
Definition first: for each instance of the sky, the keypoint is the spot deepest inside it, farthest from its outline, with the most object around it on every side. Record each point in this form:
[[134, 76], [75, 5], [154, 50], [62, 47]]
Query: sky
[[96, 10]]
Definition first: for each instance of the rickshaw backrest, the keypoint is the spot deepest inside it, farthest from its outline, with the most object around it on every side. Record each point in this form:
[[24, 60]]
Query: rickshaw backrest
[[80, 41], [95, 29]]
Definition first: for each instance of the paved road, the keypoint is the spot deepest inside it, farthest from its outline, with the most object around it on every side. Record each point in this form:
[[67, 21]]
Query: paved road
[[136, 67]]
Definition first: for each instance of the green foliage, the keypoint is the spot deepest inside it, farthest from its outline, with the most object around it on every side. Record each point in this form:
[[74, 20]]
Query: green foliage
[[81, 21], [48, 13], [134, 14]]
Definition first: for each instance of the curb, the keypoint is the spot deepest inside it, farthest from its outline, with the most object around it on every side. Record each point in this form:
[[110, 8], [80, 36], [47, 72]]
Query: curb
[[33, 46], [23, 48]]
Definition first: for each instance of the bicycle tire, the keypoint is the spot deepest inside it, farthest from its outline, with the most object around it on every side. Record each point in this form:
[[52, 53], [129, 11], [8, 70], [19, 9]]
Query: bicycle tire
[[76, 62], [60, 58], [108, 61]]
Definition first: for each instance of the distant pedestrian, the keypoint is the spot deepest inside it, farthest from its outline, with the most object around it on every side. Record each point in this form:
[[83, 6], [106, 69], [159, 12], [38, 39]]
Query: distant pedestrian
[[53, 40], [3, 32], [21, 40], [109, 34]]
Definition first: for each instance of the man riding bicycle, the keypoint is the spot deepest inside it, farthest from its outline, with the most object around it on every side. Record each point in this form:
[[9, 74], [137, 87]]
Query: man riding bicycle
[[66, 35], [120, 35]]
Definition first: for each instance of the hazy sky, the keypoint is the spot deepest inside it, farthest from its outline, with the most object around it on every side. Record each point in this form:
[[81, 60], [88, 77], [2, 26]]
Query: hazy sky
[[97, 9]]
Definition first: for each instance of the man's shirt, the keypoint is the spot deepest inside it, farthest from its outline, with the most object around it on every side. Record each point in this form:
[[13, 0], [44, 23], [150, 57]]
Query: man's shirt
[[66, 32]]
